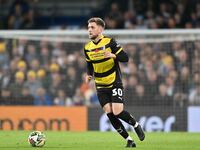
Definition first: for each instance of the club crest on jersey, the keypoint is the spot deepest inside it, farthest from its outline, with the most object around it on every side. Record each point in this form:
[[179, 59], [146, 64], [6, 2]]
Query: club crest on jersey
[[100, 48]]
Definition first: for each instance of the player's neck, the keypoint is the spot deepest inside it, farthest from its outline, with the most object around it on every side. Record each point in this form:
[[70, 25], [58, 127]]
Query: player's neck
[[100, 36]]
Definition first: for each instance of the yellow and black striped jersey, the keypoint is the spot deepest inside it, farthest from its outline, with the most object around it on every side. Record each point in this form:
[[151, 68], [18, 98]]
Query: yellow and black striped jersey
[[106, 71]]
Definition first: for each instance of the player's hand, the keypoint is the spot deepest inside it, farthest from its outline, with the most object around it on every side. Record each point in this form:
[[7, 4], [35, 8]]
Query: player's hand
[[88, 78], [109, 55]]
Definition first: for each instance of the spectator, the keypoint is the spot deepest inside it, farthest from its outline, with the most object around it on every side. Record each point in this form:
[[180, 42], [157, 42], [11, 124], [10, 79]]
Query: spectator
[[71, 80], [90, 95], [21, 65], [151, 86], [43, 78], [182, 59], [27, 98], [61, 99], [31, 53], [114, 19], [167, 63], [32, 83], [130, 88], [45, 54], [194, 96], [34, 64], [18, 13], [20, 47], [129, 20], [54, 68], [183, 82], [162, 99], [16, 19], [4, 58], [6, 98], [56, 83], [139, 98], [42, 98], [169, 81], [5, 77], [17, 86], [78, 98], [29, 20]]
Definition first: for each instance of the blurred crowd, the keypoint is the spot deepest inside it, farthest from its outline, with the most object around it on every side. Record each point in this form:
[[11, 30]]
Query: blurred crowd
[[154, 14], [52, 73], [126, 14], [21, 15]]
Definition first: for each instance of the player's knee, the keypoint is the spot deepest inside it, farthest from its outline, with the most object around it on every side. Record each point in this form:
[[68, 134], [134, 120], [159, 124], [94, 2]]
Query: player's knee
[[116, 112], [107, 108], [107, 111], [117, 108]]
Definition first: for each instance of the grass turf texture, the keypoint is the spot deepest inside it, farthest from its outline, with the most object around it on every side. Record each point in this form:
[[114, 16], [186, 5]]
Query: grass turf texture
[[100, 140]]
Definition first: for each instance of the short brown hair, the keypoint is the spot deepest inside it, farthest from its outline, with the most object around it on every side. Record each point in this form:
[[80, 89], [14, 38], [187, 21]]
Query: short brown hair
[[98, 21]]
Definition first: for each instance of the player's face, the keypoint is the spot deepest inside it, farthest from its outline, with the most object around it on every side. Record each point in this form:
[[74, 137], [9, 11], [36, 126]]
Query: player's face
[[94, 30]]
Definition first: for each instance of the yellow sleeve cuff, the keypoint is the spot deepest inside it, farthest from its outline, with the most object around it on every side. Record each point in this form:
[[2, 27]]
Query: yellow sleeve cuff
[[118, 51]]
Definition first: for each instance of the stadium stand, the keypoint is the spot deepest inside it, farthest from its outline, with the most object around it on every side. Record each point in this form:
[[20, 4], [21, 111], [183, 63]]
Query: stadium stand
[[51, 73], [45, 14]]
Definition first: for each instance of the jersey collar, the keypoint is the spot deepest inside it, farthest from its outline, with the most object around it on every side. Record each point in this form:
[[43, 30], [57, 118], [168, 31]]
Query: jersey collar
[[101, 37]]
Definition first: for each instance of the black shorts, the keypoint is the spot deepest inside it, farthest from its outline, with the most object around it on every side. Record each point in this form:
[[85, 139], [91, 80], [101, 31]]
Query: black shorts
[[110, 95]]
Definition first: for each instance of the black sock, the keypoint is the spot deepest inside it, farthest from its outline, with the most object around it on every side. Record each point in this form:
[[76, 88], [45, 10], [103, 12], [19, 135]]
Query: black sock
[[127, 117], [116, 123]]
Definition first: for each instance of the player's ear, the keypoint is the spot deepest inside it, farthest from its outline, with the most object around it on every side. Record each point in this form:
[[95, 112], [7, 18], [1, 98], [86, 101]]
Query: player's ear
[[101, 28]]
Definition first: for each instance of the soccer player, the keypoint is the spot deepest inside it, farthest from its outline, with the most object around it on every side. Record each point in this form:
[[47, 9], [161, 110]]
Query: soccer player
[[103, 55]]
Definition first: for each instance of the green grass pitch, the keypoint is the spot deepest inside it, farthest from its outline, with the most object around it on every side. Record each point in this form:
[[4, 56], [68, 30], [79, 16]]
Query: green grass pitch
[[13, 140]]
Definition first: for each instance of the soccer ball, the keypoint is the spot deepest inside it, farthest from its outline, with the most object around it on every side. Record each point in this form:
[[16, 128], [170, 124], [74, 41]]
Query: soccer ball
[[36, 139]]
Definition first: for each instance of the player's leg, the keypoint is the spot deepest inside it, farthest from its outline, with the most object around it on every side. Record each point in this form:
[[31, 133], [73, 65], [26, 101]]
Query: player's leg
[[116, 123], [118, 111], [105, 101]]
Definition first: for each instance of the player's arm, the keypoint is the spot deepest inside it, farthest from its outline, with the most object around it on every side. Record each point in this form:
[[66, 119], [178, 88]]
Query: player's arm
[[117, 52], [90, 69]]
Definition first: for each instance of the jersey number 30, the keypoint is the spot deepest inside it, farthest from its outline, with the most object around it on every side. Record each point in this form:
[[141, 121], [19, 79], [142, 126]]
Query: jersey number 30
[[117, 91]]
